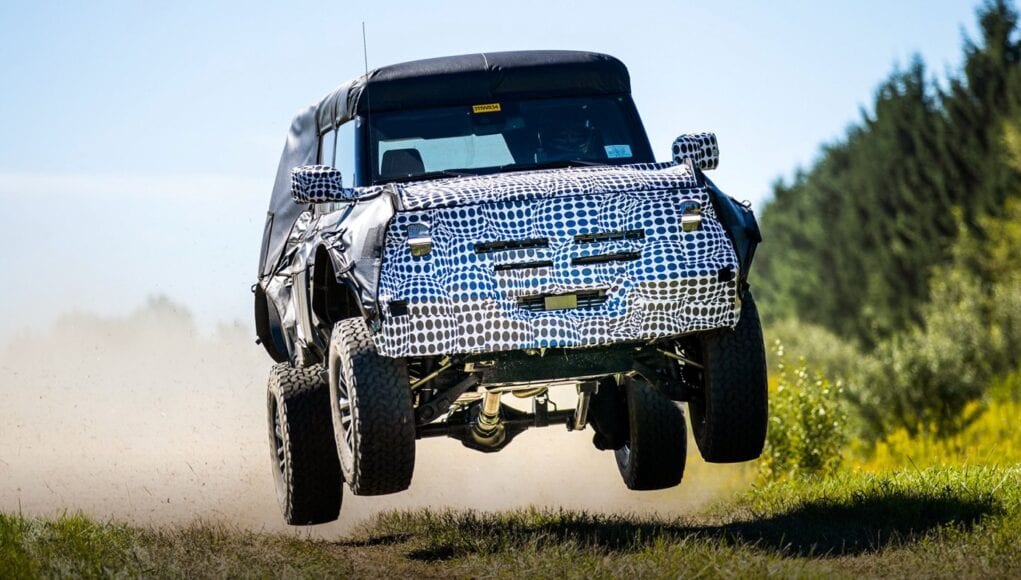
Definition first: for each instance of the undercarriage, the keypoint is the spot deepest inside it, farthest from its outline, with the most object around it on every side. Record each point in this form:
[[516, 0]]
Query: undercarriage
[[366, 411], [463, 397]]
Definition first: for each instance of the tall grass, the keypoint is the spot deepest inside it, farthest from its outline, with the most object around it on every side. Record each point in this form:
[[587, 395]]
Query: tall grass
[[992, 437]]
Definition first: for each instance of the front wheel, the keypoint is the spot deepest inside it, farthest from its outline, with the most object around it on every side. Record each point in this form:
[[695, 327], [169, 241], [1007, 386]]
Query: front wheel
[[656, 449], [373, 414], [729, 411]]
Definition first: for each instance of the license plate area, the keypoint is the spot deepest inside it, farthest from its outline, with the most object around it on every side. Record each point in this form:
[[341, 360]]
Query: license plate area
[[568, 301]]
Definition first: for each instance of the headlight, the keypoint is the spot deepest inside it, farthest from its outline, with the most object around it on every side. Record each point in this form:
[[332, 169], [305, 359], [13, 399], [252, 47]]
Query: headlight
[[691, 216], [419, 239]]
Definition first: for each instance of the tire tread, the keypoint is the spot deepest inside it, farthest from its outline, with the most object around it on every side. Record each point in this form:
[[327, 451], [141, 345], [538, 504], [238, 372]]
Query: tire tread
[[730, 426], [383, 414], [311, 479], [657, 442]]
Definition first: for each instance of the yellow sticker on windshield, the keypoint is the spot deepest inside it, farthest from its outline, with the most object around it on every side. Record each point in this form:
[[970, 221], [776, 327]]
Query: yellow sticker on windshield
[[487, 108]]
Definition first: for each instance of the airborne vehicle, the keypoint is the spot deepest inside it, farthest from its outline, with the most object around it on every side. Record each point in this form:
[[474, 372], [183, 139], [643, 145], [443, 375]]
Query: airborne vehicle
[[449, 236]]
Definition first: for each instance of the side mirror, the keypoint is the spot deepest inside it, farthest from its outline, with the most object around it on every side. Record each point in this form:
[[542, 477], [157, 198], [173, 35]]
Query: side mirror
[[701, 148], [318, 184]]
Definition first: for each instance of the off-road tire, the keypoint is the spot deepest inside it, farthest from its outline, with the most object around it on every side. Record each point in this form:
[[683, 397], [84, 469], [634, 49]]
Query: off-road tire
[[306, 469], [376, 436], [657, 445], [730, 412]]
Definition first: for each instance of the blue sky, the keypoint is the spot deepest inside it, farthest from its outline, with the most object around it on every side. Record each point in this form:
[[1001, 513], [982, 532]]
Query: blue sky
[[139, 140]]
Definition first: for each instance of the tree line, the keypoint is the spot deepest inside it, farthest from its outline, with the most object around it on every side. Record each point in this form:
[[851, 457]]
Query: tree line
[[851, 242]]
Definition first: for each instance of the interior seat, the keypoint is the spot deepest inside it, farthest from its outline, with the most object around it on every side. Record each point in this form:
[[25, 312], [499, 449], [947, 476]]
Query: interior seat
[[401, 163]]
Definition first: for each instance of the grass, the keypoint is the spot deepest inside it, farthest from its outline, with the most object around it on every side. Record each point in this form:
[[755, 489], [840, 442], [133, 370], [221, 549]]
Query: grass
[[943, 522]]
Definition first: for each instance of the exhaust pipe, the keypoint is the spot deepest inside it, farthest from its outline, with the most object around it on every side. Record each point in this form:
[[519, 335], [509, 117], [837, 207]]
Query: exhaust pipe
[[488, 430]]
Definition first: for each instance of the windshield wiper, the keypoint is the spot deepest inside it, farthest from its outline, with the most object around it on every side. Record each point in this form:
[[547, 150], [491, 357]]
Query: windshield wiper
[[508, 167], [429, 175], [552, 164]]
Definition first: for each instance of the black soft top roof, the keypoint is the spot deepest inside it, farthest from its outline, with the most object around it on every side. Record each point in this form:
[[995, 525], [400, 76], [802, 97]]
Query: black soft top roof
[[435, 82], [474, 78]]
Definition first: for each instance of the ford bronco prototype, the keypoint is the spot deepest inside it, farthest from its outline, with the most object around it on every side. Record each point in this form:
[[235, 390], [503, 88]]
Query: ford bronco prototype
[[454, 243]]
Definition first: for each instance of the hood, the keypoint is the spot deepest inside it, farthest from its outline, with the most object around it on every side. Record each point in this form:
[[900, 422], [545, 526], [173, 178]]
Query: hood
[[522, 185]]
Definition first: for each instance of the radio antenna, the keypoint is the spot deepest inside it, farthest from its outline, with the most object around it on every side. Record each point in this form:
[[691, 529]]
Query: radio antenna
[[365, 56], [368, 101], [365, 50]]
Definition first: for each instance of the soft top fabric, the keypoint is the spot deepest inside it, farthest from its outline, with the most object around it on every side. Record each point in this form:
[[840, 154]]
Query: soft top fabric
[[474, 79]]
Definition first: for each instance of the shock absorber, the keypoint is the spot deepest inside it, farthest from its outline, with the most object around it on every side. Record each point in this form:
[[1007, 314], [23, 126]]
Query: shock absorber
[[488, 429]]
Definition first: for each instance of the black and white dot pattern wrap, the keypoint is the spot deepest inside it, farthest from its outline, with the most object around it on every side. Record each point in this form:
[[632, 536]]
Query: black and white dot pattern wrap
[[458, 302], [701, 148], [316, 184], [530, 185]]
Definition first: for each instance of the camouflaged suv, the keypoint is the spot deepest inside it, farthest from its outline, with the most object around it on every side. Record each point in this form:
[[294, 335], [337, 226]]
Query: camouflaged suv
[[446, 232]]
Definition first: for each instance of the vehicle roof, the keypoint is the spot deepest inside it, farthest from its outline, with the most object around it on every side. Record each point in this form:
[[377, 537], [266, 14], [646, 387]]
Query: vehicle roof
[[474, 79]]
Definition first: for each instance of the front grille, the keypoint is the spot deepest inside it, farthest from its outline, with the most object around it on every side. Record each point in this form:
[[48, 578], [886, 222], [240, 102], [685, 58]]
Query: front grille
[[637, 234], [503, 245], [604, 258], [523, 265]]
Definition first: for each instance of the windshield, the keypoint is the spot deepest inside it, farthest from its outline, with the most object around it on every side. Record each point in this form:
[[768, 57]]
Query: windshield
[[505, 136]]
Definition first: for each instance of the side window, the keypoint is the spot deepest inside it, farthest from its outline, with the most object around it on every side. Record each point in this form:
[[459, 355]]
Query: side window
[[346, 153], [337, 149], [327, 148]]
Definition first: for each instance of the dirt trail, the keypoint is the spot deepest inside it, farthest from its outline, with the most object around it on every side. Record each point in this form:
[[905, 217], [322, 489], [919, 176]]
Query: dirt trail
[[142, 418]]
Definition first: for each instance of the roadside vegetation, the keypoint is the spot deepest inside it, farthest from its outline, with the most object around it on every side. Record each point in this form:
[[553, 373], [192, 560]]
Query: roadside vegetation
[[892, 271], [851, 241]]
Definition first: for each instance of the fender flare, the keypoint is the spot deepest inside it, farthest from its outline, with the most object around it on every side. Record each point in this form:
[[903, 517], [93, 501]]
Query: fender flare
[[268, 327]]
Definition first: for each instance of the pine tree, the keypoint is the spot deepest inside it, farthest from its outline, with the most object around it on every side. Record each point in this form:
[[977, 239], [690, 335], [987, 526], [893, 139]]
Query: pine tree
[[851, 242]]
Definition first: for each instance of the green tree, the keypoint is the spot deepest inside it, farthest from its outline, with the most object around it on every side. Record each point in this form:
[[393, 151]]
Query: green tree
[[851, 242]]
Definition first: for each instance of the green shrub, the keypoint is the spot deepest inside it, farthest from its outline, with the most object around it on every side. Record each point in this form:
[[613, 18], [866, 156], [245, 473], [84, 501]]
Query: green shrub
[[807, 424], [970, 332], [824, 352], [924, 377]]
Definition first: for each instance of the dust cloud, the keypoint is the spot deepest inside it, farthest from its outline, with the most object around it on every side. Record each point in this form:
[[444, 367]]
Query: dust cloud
[[145, 419]]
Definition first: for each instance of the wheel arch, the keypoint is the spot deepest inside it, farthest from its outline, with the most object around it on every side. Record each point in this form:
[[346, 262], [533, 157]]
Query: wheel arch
[[333, 297]]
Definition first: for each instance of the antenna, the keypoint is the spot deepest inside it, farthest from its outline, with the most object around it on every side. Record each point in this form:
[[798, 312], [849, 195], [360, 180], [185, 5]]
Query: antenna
[[365, 56], [368, 103], [365, 50]]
